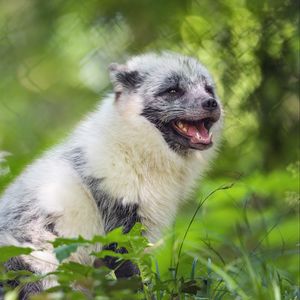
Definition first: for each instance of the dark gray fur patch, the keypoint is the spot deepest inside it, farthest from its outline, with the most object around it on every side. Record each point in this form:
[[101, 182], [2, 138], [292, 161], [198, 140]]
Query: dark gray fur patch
[[21, 223], [123, 269], [173, 81], [114, 213], [50, 224], [130, 80], [175, 142], [210, 90], [16, 264]]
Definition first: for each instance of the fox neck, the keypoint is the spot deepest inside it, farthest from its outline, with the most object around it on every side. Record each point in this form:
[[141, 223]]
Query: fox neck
[[135, 164]]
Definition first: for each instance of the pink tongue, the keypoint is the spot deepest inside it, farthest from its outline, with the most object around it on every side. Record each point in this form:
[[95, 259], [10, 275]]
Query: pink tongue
[[199, 134], [203, 131]]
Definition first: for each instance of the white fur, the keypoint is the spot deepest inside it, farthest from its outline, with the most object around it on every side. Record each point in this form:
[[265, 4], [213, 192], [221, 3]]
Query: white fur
[[136, 163]]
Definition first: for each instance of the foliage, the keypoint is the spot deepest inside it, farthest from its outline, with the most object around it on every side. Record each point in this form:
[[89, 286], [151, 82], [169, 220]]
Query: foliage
[[243, 268]]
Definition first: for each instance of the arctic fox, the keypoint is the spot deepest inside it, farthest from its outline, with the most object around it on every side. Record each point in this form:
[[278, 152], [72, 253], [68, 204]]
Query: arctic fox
[[134, 159]]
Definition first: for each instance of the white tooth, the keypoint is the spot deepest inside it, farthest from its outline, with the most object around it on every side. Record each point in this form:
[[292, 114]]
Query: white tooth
[[180, 125], [198, 136], [210, 134], [184, 128]]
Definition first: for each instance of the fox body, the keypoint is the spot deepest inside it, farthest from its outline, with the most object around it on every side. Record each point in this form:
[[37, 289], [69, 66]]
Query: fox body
[[134, 159]]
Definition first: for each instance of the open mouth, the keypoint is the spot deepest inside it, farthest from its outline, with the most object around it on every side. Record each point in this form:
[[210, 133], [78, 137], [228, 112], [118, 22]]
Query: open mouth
[[197, 132]]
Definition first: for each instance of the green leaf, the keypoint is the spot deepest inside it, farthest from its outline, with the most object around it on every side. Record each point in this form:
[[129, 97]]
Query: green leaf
[[7, 252], [11, 275], [11, 295], [195, 260], [76, 268], [68, 241], [63, 252]]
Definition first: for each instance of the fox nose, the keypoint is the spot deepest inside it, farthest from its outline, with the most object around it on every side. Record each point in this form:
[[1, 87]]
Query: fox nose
[[210, 104]]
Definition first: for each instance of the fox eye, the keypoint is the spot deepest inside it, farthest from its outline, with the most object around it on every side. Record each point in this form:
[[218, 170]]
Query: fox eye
[[171, 92], [174, 91], [209, 89]]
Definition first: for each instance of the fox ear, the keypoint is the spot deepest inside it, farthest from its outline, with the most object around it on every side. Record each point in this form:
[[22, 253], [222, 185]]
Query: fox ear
[[123, 79]]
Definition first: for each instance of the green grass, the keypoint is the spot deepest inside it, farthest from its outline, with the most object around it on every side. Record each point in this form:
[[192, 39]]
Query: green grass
[[234, 243]]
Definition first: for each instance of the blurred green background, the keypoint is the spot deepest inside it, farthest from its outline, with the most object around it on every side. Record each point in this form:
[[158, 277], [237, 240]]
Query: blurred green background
[[53, 69]]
